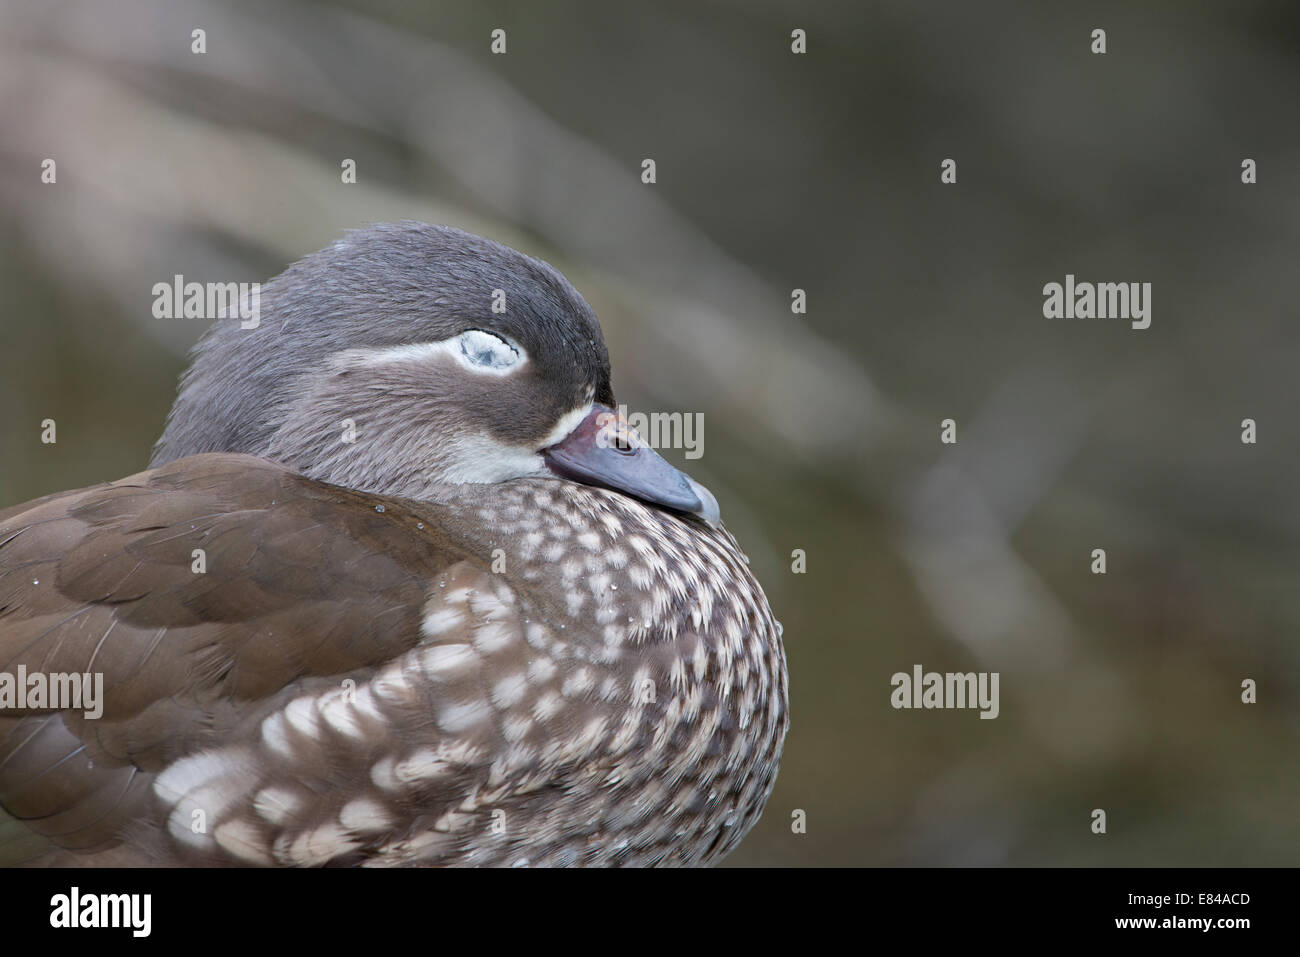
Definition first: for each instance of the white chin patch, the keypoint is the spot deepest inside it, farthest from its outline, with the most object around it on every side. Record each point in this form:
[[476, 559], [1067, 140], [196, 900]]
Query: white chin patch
[[482, 460]]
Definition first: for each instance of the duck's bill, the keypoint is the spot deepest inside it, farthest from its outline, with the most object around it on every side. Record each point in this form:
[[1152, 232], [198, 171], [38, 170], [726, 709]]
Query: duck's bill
[[604, 451]]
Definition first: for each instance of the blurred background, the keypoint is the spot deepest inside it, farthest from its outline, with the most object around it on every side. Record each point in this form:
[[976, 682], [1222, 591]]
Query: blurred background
[[778, 171]]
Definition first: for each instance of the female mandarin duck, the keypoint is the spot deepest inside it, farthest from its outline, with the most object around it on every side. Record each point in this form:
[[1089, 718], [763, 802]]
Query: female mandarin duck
[[450, 609]]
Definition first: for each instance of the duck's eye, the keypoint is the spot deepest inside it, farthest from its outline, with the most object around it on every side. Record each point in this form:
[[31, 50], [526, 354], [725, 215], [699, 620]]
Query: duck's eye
[[485, 351]]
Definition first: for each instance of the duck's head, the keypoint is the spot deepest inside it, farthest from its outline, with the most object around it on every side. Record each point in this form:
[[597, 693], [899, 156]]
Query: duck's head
[[406, 356]]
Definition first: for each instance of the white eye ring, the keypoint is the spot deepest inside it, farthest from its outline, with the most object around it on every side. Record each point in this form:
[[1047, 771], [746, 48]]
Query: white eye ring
[[486, 352]]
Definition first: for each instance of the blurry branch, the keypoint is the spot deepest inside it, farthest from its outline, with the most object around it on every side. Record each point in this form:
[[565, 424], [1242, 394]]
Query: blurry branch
[[145, 172], [959, 514], [149, 181]]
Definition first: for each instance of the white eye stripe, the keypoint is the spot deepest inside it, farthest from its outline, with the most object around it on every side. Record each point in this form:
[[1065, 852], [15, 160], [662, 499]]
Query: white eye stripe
[[567, 423], [475, 350]]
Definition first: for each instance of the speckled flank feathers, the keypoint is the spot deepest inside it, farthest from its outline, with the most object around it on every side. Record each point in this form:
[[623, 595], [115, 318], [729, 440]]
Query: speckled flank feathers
[[616, 695]]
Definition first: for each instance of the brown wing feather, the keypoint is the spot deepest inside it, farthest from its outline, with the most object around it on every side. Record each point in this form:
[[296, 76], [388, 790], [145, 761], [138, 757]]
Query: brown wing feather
[[299, 582]]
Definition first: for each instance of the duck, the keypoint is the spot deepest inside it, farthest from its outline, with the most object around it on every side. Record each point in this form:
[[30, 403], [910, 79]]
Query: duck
[[399, 587]]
